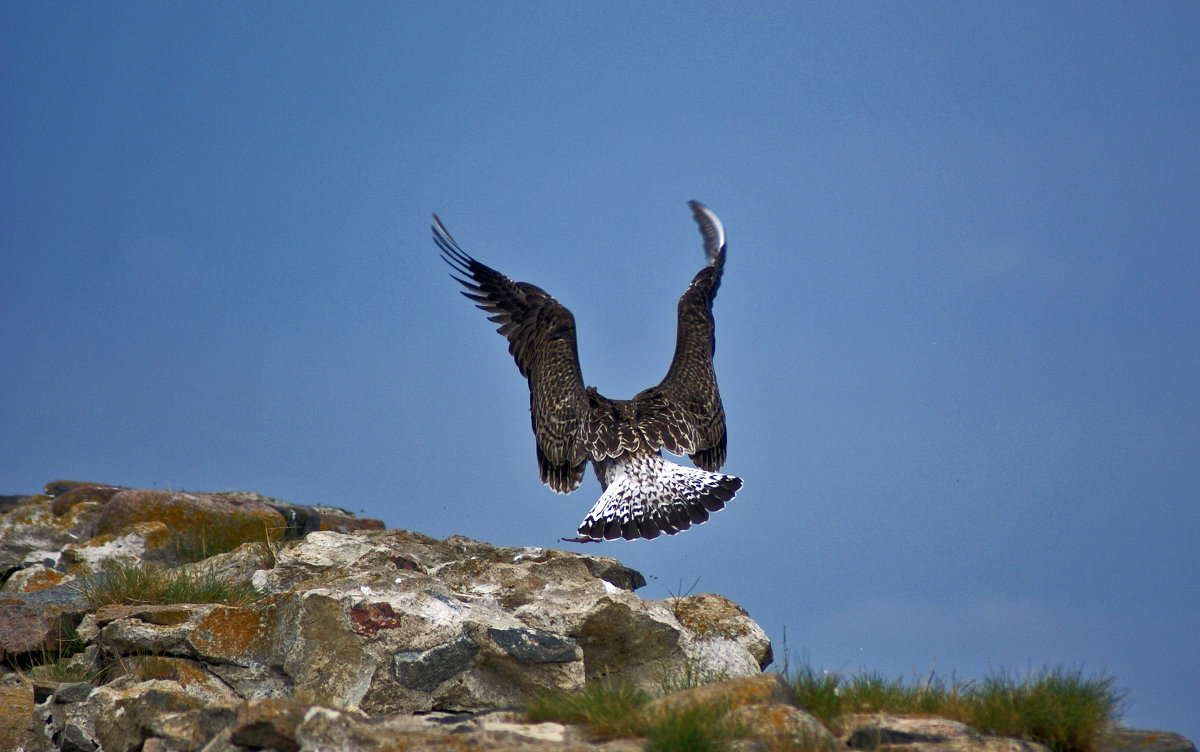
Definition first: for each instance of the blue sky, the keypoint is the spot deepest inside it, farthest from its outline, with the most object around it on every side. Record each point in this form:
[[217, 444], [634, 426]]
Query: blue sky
[[957, 335]]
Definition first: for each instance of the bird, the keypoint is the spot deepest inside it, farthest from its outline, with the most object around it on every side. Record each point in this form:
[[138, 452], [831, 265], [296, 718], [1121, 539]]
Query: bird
[[644, 494]]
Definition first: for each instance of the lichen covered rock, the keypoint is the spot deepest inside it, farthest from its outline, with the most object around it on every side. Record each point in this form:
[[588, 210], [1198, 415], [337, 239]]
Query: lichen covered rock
[[354, 624], [32, 534]]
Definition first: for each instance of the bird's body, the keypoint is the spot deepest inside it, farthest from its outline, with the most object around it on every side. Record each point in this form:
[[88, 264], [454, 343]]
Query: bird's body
[[644, 494]]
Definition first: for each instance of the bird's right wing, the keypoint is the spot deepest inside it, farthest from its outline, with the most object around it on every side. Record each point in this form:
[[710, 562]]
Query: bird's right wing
[[541, 338], [684, 412]]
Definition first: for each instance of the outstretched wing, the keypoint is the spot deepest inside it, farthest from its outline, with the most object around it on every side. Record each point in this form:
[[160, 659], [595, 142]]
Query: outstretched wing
[[683, 413], [541, 338]]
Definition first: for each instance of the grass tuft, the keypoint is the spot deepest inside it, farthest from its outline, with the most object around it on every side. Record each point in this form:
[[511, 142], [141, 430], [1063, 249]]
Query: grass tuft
[[612, 709], [694, 728], [134, 582], [606, 709], [818, 694], [872, 692], [58, 660], [670, 682], [1064, 710]]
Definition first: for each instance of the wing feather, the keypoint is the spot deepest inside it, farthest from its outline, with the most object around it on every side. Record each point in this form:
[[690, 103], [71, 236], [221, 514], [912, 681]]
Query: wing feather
[[541, 339], [683, 413]]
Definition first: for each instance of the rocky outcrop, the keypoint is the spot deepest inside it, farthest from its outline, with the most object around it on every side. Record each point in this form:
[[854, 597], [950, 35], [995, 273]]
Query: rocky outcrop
[[361, 638], [355, 626]]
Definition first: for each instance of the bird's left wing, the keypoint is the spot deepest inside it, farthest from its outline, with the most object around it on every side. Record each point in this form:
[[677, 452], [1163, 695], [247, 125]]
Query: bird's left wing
[[541, 338]]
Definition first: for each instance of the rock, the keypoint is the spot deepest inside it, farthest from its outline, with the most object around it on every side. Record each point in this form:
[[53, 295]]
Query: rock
[[464, 625], [68, 726], [1131, 740], [337, 730], [268, 724], [317, 648], [302, 520], [16, 710], [782, 726], [760, 704], [158, 630], [128, 713], [192, 677], [877, 731], [202, 524], [626, 639], [393, 621], [84, 492], [29, 631], [191, 729], [767, 689], [75, 736], [149, 541], [66, 597], [713, 617], [69, 692], [238, 635], [9, 502], [34, 578], [32, 527], [59, 487]]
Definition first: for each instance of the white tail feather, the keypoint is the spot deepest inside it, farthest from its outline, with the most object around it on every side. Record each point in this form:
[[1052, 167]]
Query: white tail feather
[[647, 495]]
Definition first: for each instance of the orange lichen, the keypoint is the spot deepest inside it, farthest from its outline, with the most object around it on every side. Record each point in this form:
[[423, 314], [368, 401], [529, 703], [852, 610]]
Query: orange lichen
[[16, 708], [41, 580], [709, 616], [149, 667], [201, 525], [236, 633], [166, 616]]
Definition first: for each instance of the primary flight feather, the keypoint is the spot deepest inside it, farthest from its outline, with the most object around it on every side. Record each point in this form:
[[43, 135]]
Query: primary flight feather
[[644, 494]]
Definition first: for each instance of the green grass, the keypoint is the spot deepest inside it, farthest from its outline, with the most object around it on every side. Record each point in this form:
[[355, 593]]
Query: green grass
[[129, 582], [61, 670], [669, 682], [818, 694], [827, 695], [695, 728], [606, 709], [55, 662], [1064, 710]]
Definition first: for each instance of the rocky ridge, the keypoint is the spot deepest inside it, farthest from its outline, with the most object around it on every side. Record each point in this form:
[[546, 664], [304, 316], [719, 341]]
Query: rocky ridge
[[362, 638]]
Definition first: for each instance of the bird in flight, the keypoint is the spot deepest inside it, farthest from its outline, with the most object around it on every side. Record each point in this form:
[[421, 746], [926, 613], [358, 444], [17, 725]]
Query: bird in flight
[[644, 493]]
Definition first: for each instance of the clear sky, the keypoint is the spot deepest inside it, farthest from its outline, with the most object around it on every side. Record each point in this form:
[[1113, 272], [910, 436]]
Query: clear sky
[[958, 335]]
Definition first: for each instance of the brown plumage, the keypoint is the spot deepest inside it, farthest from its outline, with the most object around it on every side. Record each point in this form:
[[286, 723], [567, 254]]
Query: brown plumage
[[574, 424]]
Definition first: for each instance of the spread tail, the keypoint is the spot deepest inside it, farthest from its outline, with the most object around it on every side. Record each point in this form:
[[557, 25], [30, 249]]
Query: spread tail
[[647, 495]]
